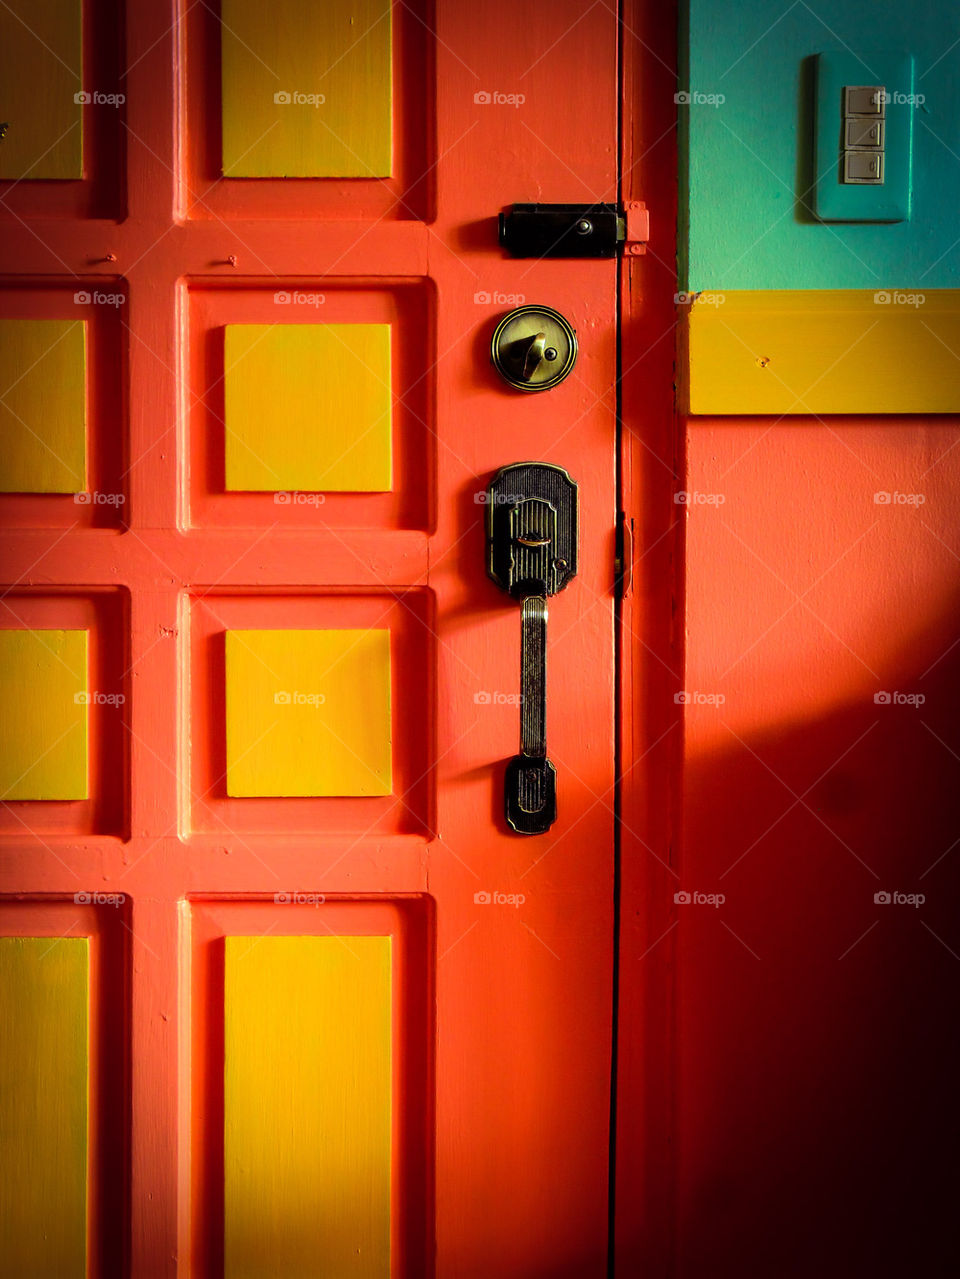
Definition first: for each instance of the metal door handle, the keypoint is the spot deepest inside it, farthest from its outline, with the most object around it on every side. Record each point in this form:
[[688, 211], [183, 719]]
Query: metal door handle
[[532, 554]]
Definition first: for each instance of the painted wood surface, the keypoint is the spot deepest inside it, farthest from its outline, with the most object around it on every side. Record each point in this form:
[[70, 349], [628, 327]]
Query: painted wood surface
[[307, 89], [42, 406], [43, 1106], [512, 1096], [307, 1107], [308, 406], [652, 636], [41, 89], [43, 714], [308, 712], [832, 351]]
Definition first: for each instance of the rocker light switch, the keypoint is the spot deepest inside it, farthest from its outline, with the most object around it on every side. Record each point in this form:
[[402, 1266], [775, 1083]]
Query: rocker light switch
[[863, 133], [863, 166], [864, 99]]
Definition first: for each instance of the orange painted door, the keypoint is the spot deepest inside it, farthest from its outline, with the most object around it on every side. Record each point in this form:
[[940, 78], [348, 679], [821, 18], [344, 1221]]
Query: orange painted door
[[280, 992]]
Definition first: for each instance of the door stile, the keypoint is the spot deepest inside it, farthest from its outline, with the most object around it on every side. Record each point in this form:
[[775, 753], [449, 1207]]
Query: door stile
[[651, 665]]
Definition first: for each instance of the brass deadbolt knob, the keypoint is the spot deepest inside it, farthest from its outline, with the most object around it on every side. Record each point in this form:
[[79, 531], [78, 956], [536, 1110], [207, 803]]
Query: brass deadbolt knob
[[533, 348]]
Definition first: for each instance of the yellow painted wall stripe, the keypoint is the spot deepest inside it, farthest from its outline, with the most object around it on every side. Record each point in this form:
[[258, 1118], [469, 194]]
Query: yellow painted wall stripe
[[813, 351], [42, 405], [40, 74], [43, 715], [309, 712], [307, 1107], [43, 1106], [307, 88], [308, 406]]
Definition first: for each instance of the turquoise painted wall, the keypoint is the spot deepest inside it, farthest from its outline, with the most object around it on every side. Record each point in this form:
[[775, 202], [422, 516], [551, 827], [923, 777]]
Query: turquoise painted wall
[[748, 160]]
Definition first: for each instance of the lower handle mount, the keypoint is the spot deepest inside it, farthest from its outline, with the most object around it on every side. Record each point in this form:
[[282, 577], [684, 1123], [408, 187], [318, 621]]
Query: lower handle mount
[[530, 792]]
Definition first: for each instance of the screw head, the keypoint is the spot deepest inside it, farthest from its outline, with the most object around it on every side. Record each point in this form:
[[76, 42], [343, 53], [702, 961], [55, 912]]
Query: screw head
[[550, 353], [584, 226]]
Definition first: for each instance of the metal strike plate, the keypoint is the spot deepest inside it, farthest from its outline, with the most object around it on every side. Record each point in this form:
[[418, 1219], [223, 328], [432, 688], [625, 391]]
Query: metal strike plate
[[533, 348], [532, 529]]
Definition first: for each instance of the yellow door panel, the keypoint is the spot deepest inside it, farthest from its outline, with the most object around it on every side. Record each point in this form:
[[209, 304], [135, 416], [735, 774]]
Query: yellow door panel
[[308, 406], [307, 1107], [43, 714], [43, 1106], [40, 84], [42, 405], [307, 89], [308, 712]]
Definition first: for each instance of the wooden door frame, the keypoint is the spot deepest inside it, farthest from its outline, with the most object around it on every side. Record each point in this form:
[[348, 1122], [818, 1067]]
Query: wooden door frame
[[650, 635]]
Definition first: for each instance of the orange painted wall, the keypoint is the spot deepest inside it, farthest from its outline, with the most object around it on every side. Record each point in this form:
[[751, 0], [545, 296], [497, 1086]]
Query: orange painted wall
[[816, 1042]]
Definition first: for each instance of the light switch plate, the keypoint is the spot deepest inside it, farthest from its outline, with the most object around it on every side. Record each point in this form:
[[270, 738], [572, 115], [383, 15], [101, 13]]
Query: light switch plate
[[833, 199]]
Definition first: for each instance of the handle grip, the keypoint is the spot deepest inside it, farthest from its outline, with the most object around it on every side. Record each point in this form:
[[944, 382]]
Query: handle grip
[[532, 553]]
